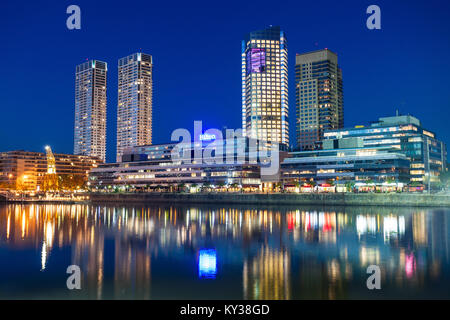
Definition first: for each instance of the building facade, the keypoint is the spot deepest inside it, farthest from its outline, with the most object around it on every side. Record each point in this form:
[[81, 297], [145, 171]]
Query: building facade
[[90, 109], [265, 86], [135, 102], [26, 170], [319, 97], [155, 166], [369, 167], [427, 155]]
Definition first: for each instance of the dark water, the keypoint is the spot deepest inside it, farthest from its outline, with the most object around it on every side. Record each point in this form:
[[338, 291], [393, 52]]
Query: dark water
[[223, 252]]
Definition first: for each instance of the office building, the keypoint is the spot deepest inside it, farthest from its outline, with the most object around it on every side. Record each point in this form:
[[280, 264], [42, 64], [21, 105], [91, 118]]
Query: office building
[[346, 162], [319, 97], [90, 109], [135, 102], [427, 155], [265, 86]]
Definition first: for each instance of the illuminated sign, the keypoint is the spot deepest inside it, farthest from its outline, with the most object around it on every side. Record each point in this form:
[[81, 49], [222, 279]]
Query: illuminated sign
[[256, 60], [207, 264], [207, 137]]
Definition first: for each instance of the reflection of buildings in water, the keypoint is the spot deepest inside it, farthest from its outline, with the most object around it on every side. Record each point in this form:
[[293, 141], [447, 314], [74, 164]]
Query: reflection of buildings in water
[[419, 226], [132, 270], [440, 234], [322, 279], [369, 255], [366, 224], [267, 276], [312, 226], [88, 254], [411, 245], [393, 227]]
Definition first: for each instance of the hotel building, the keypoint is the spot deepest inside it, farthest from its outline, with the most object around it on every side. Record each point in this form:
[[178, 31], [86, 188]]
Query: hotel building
[[135, 101], [90, 109], [319, 97], [265, 86]]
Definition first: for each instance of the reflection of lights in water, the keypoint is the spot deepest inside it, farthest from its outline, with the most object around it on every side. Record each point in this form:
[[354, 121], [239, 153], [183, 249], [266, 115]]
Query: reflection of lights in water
[[365, 225], [410, 265], [49, 233], [393, 226], [43, 256], [8, 226], [207, 264]]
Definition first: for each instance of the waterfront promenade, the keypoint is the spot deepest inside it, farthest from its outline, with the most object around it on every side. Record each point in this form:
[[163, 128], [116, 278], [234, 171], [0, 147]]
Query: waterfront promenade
[[344, 199]]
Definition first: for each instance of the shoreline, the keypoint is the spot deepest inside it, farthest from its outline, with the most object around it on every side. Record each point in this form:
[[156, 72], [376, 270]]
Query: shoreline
[[272, 199], [324, 199]]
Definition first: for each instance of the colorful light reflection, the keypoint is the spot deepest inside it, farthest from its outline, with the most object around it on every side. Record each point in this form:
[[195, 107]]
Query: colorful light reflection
[[207, 264]]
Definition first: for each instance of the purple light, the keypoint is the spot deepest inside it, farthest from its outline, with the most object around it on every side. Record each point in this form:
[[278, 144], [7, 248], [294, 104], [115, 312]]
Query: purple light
[[256, 60]]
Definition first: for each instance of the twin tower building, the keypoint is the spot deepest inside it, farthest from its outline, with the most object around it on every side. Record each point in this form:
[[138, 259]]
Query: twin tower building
[[265, 107], [134, 108]]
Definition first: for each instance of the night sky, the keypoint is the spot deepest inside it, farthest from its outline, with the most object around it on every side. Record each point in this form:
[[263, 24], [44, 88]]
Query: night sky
[[197, 61]]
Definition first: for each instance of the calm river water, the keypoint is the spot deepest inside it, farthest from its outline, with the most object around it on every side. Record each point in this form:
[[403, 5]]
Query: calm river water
[[223, 252]]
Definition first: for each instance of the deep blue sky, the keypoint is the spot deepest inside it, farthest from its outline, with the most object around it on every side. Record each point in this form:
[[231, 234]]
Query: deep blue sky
[[197, 72]]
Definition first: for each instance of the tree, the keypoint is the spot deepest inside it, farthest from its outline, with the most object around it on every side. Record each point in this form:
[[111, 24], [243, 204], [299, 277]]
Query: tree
[[234, 185], [445, 178], [350, 185], [390, 180], [206, 186]]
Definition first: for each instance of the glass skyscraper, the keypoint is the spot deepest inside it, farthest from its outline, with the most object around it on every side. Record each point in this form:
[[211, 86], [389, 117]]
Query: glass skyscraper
[[135, 100], [265, 85], [319, 95], [90, 109]]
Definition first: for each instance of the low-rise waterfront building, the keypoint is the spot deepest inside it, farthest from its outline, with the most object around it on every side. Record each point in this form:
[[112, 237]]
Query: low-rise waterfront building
[[341, 169], [154, 166], [26, 170], [427, 155]]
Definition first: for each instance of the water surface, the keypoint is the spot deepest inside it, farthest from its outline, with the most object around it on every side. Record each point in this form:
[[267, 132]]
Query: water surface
[[223, 252]]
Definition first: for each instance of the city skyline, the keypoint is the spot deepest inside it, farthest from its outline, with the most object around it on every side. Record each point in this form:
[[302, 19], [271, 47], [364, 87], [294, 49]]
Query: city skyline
[[180, 106]]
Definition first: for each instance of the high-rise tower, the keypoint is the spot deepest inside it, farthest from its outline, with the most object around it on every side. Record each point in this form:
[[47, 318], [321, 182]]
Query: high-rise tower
[[90, 109], [319, 95], [265, 85], [135, 100]]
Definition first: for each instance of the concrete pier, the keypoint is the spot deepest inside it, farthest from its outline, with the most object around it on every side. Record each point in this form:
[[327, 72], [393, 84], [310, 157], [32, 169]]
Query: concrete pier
[[335, 199]]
